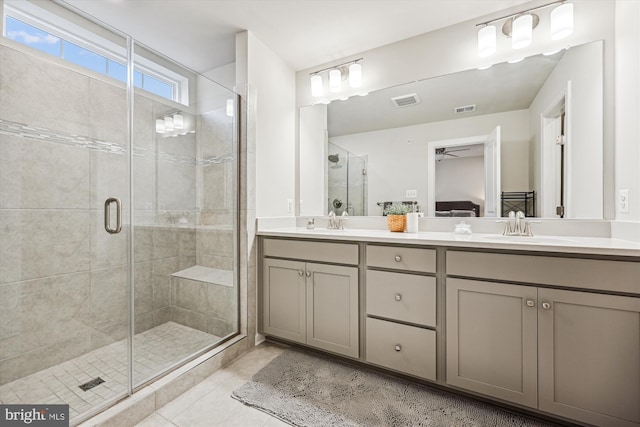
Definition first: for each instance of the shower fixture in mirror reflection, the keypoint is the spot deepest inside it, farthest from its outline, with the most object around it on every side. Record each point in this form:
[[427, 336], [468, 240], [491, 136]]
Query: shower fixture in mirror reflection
[[536, 102]]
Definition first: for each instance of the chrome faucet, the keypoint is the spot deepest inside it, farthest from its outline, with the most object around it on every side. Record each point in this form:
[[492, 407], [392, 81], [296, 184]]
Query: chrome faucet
[[516, 225]]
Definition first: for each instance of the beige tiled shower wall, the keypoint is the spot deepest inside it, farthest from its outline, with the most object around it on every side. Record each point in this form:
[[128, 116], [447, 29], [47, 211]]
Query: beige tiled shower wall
[[63, 279]]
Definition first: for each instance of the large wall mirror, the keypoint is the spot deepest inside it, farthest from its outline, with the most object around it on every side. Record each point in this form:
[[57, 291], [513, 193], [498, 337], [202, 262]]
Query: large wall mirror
[[432, 143]]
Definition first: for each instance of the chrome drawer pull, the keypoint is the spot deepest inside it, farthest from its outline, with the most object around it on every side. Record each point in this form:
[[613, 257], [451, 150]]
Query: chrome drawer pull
[[398, 348], [308, 274], [398, 258], [398, 297], [546, 305], [300, 273], [531, 303]]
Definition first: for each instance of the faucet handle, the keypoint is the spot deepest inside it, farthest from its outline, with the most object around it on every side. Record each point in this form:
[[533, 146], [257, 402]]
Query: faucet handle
[[526, 230]]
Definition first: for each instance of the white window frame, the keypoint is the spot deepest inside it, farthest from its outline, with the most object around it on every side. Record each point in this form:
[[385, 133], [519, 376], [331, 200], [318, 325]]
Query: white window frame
[[53, 24]]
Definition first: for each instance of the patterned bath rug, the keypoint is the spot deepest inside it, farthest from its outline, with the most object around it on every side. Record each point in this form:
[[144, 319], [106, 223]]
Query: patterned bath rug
[[308, 390]]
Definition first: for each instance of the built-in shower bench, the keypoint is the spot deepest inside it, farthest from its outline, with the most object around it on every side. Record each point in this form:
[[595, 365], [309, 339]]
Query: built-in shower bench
[[199, 273]]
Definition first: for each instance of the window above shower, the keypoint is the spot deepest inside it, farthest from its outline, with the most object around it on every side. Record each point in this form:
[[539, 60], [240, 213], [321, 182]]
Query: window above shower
[[40, 29]]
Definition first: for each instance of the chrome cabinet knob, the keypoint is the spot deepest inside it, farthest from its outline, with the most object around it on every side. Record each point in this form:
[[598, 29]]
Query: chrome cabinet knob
[[398, 258], [546, 305], [531, 303], [308, 274], [398, 297], [300, 273], [398, 348]]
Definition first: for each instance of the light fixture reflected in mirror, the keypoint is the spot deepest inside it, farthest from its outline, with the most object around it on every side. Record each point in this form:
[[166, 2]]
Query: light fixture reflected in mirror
[[174, 124], [178, 121]]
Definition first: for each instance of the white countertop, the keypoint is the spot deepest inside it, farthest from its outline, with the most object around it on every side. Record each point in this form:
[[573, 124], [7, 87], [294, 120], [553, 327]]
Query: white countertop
[[539, 243]]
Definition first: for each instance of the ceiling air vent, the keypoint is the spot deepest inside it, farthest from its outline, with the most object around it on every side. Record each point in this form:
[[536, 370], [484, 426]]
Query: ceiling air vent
[[465, 109], [406, 100]]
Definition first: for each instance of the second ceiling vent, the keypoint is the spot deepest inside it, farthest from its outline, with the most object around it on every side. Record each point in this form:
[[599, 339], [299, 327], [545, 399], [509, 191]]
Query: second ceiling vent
[[406, 100]]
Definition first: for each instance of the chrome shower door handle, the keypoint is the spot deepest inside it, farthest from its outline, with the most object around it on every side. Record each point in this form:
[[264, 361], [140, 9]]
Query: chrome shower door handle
[[107, 215]]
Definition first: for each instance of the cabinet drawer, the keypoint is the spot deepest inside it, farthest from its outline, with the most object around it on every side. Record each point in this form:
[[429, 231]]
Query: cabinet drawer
[[340, 253], [398, 258], [405, 297], [402, 348], [619, 276]]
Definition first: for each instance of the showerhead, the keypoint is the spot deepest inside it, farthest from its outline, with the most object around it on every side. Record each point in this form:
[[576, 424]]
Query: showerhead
[[334, 158]]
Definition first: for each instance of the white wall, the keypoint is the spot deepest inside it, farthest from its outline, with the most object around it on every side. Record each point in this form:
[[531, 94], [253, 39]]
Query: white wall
[[582, 66], [396, 165], [627, 122], [461, 179], [269, 86], [455, 48], [314, 156]]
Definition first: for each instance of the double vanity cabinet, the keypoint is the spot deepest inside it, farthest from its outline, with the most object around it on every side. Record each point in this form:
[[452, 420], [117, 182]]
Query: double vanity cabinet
[[553, 332]]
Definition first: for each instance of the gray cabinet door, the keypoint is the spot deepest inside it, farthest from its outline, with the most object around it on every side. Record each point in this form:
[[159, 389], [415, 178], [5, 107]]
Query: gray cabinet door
[[589, 357], [491, 339], [332, 308], [284, 296]]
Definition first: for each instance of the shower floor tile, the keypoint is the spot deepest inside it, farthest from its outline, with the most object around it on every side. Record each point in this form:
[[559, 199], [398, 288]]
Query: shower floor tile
[[154, 351]]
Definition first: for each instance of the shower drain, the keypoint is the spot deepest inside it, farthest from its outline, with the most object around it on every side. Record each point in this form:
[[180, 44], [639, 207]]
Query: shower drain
[[91, 384]]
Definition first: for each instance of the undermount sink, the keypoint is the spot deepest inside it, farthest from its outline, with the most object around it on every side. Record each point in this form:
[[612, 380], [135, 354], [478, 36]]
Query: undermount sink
[[527, 239]]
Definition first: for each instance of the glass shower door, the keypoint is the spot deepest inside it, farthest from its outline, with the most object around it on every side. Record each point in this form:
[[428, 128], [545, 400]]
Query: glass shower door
[[63, 277]]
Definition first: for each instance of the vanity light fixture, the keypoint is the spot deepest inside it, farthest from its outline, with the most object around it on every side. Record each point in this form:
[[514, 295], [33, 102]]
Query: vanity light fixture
[[522, 31], [355, 75], [562, 21], [519, 26], [351, 71], [487, 41], [335, 80], [317, 88]]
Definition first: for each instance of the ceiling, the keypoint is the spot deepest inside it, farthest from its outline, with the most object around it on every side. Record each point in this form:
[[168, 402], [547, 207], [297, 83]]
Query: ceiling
[[503, 87], [200, 34]]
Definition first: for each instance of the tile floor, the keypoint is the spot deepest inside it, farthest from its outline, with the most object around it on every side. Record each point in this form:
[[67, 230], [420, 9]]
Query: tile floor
[[209, 404], [154, 351]]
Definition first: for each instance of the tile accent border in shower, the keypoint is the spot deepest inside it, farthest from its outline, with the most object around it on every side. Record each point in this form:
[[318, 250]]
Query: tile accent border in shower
[[47, 135]]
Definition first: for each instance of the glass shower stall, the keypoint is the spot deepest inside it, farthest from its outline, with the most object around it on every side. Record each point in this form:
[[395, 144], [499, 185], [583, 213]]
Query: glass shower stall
[[118, 212]]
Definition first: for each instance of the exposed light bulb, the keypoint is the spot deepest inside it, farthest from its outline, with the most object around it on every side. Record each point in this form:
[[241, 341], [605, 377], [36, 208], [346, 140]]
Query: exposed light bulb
[[317, 88], [335, 80], [485, 67], [522, 33], [515, 61], [355, 75], [486, 41], [551, 53], [562, 21]]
